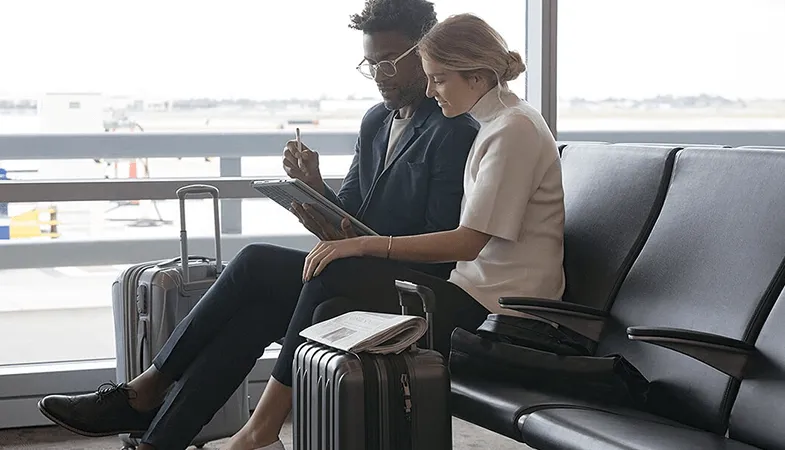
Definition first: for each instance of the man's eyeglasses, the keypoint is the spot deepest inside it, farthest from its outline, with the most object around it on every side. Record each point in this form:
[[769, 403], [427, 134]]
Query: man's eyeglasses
[[387, 68]]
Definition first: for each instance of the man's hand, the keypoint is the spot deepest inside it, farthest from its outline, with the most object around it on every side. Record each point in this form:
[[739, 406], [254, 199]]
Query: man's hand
[[318, 225], [303, 165]]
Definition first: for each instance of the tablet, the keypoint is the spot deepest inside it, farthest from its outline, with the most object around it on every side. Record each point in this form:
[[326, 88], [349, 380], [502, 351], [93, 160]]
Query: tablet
[[285, 192]]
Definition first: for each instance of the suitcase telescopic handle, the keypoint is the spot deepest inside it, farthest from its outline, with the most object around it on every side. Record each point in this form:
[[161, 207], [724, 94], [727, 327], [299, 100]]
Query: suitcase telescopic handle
[[199, 189], [410, 294]]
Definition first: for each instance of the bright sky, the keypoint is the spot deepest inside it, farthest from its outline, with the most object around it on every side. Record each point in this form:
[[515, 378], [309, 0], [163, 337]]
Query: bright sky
[[303, 48]]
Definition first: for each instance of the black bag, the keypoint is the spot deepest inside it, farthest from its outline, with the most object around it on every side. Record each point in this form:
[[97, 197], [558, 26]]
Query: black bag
[[607, 379], [535, 334]]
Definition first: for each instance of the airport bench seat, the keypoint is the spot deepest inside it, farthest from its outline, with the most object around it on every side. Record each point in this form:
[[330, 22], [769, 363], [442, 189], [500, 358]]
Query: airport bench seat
[[712, 263]]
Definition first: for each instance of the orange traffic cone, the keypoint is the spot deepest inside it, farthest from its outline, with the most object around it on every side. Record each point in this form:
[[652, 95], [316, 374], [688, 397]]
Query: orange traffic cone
[[132, 175]]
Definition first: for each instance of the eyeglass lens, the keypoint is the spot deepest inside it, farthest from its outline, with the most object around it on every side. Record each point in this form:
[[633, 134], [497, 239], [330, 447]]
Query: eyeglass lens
[[387, 68]]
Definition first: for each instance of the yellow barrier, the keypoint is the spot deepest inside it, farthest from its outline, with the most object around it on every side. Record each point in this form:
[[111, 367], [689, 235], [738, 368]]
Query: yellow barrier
[[28, 224]]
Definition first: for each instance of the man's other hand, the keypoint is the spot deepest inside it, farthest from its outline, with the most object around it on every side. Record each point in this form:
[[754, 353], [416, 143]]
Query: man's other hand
[[303, 165], [315, 222]]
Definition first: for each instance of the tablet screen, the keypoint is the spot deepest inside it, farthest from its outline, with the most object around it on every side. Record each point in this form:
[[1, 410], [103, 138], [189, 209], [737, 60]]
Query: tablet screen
[[285, 192]]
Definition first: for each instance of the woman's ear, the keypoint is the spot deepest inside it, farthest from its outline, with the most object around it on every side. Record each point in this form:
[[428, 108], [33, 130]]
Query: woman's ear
[[475, 80], [479, 80]]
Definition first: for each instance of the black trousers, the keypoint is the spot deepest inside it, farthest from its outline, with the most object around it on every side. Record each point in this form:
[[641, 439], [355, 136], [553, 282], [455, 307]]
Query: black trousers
[[259, 299]]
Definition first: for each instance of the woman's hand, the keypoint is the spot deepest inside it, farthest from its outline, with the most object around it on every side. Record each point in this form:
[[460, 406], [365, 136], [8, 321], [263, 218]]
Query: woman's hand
[[326, 252]]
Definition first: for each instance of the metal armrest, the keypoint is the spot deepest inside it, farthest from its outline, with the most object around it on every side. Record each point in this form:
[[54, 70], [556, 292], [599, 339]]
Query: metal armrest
[[725, 354], [584, 320]]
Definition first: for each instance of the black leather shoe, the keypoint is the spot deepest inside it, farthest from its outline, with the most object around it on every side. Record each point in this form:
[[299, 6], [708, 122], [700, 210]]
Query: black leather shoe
[[103, 413]]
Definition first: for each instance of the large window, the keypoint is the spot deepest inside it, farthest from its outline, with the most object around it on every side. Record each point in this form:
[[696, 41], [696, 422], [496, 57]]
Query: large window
[[671, 65], [181, 65], [151, 67]]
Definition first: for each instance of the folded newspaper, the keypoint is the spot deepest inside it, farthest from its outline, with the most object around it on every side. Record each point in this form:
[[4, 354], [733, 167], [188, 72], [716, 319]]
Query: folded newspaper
[[369, 332]]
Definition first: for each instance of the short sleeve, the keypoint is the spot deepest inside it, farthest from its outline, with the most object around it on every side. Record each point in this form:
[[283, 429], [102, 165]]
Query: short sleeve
[[507, 176]]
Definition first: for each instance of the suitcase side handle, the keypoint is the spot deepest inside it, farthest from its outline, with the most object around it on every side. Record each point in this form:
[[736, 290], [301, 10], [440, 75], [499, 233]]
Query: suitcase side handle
[[410, 294], [182, 193], [176, 260]]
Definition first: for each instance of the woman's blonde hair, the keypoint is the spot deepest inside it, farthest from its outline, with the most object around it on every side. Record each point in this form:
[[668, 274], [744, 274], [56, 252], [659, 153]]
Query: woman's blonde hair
[[465, 43]]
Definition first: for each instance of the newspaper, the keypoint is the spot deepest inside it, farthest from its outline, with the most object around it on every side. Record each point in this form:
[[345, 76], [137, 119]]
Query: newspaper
[[368, 332]]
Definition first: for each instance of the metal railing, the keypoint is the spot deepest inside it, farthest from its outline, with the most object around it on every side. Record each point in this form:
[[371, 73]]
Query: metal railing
[[229, 147]]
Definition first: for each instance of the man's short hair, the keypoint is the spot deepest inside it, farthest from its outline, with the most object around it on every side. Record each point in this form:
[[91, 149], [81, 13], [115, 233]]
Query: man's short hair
[[411, 17]]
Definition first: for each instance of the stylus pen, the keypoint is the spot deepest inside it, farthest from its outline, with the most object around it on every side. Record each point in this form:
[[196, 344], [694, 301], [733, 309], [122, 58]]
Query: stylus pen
[[299, 147]]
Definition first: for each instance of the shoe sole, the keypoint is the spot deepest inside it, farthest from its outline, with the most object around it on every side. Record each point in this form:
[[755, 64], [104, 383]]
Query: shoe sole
[[134, 434]]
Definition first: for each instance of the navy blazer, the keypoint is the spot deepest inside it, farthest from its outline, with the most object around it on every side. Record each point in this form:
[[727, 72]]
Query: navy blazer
[[421, 190]]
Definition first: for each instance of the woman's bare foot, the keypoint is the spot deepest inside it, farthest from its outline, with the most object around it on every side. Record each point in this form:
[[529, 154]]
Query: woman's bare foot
[[246, 439], [262, 429]]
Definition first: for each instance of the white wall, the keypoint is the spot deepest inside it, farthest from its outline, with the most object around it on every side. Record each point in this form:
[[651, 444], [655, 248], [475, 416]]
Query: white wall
[[71, 113]]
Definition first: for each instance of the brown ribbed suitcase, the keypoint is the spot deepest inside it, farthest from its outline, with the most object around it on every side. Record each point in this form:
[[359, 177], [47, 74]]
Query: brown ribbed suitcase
[[345, 401]]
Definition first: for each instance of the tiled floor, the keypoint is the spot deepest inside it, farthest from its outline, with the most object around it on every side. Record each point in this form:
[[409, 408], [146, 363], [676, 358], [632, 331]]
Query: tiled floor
[[466, 437]]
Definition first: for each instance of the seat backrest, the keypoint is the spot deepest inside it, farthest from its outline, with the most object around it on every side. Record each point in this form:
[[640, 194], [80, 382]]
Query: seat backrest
[[660, 144], [756, 417], [612, 196], [710, 265], [562, 144], [763, 147]]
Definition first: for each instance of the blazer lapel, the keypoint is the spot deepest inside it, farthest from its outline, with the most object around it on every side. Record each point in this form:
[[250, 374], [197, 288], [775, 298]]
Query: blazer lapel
[[404, 140], [380, 146], [378, 155]]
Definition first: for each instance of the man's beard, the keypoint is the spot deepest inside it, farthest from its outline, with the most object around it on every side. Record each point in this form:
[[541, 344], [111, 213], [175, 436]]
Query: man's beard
[[408, 94]]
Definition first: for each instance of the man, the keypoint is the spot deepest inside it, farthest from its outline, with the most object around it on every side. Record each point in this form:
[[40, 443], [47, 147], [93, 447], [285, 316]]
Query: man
[[406, 178], [407, 172]]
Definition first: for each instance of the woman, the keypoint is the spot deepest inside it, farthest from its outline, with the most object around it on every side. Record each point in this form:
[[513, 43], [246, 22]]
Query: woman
[[510, 238]]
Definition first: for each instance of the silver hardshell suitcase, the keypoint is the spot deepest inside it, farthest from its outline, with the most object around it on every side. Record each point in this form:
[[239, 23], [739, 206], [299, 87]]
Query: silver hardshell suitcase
[[150, 299], [344, 401]]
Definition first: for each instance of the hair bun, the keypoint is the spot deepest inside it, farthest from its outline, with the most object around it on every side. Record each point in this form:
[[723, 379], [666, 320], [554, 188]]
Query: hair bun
[[515, 66]]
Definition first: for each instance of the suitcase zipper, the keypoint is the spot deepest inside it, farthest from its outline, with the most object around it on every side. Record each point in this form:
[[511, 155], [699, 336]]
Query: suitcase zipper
[[407, 397]]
